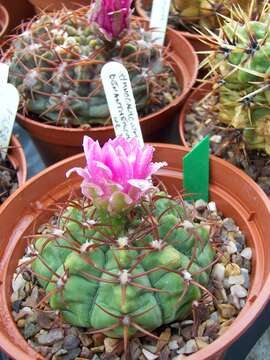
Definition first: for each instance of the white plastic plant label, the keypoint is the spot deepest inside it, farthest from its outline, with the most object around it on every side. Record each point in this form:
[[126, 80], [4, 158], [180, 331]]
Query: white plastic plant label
[[9, 102], [121, 102], [4, 70], [159, 20]]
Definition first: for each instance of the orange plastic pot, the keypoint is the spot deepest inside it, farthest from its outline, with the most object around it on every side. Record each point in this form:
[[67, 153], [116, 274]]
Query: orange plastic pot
[[57, 143], [4, 20], [17, 159], [193, 38], [195, 96], [51, 5], [235, 194], [19, 11]]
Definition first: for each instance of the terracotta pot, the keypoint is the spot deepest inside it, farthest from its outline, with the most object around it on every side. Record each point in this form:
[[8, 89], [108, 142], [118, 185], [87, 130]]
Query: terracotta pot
[[57, 143], [17, 158], [193, 38], [51, 5], [195, 96], [18, 13], [235, 194], [4, 20]]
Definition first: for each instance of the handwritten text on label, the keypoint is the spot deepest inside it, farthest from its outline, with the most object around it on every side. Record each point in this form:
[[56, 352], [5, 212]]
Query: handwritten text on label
[[121, 102]]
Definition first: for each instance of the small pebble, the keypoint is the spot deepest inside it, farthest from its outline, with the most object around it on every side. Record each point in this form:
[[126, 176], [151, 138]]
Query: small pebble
[[71, 342], [231, 248], [48, 338], [229, 224], [232, 270], [212, 207], [200, 205], [218, 272], [239, 291], [216, 139], [173, 345], [247, 253], [227, 311], [246, 277], [190, 347], [149, 355], [236, 280]]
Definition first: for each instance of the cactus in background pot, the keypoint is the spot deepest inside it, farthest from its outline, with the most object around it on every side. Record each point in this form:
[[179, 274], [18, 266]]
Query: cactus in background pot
[[56, 61], [127, 257], [239, 62], [203, 13]]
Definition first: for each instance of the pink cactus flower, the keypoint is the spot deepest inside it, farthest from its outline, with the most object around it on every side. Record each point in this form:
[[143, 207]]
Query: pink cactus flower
[[116, 175], [111, 18]]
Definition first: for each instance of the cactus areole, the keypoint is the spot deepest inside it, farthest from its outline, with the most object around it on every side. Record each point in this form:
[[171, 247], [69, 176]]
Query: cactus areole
[[125, 258], [56, 60]]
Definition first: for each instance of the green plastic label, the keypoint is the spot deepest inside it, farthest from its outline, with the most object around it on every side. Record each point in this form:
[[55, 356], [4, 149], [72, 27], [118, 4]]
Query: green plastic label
[[196, 171]]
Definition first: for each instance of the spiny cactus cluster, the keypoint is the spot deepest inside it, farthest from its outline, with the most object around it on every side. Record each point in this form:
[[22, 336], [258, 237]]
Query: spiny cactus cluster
[[56, 61], [202, 13], [127, 258], [239, 61], [123, 277]]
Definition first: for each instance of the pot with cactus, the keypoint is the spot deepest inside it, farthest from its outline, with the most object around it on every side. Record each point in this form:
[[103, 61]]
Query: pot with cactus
[[13, 169], [55, 64], [115, 263], [195, 17], [232, 106]]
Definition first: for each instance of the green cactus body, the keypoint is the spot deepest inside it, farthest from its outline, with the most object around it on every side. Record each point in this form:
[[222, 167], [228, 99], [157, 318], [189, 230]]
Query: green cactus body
[[240, 63], [203, 13], [142, 273], [56, 62]]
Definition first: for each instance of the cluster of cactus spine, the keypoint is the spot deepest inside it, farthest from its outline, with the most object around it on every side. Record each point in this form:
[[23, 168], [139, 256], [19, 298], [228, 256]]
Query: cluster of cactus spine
[[124, 274], [203, 13], [239, 62], [56, 60]]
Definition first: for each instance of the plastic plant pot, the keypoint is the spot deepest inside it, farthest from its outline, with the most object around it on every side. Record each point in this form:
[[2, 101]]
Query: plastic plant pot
[[56, 143], [235, 194]]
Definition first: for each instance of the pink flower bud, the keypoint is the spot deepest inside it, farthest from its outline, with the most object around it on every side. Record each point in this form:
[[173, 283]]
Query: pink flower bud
[[116, 175], [110, 18]]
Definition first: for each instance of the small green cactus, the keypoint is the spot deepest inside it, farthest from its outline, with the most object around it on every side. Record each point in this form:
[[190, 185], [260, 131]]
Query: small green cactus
[[56, 60], [138, 278], [129, 260], [239, 62]]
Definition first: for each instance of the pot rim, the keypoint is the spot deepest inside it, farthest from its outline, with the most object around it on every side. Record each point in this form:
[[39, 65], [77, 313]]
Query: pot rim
[[17, 158], [246, 317], [5, 16]]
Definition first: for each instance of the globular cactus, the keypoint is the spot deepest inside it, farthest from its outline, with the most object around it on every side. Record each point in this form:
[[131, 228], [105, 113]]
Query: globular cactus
[[56, 60], [203, 13], [239, 61], [127, 269]]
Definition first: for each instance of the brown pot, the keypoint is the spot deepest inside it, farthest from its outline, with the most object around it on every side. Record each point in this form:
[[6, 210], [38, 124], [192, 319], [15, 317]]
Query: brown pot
[[18, 13], [17, 158], [235, 194], [52, 5], [195, 96], [57, 143], [4, 20], [194, 39]]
